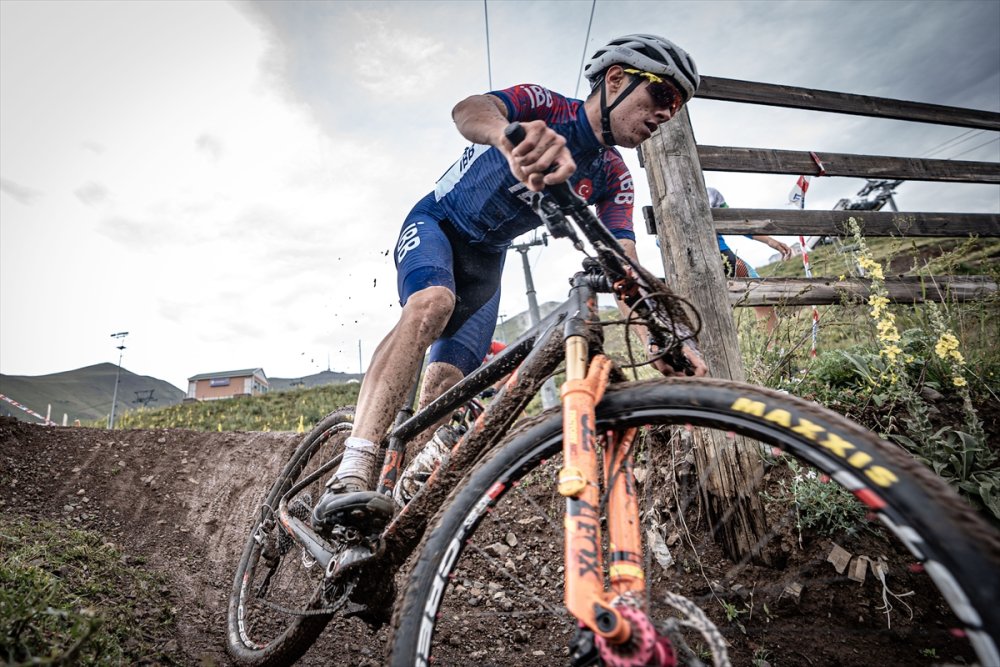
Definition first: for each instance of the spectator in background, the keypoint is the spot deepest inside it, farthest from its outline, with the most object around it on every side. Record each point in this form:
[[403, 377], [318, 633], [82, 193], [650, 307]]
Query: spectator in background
[[736, 267]]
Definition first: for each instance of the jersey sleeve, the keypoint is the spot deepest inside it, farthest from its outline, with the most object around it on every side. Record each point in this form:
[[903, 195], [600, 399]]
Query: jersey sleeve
[[529, 101], [615, 208]]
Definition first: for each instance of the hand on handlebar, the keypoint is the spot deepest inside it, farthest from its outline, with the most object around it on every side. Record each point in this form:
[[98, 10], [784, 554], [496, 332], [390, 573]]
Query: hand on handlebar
[[541, 158], [685, 359], [697, 364]]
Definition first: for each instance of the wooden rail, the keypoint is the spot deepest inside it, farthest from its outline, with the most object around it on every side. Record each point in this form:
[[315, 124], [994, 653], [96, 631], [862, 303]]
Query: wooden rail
[[772, 161], [750, 92], [795, 222], [827, 291]]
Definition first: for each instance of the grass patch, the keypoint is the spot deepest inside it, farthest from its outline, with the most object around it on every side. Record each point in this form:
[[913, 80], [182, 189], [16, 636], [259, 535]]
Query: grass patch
[[69, 598], [922, 375], [295, 410]]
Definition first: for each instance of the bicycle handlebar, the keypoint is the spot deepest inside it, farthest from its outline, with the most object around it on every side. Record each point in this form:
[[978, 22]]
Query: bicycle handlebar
[[618, 269]]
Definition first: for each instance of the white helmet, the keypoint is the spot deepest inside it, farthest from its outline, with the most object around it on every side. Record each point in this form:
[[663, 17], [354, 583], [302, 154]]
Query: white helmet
[[648, 53]]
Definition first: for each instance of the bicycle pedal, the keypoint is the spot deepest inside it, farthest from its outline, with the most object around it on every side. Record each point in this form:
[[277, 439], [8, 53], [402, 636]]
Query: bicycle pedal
[[366, 511]]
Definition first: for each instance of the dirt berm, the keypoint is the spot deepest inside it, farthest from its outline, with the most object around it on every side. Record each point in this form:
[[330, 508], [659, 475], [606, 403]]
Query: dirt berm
[[181, 500]]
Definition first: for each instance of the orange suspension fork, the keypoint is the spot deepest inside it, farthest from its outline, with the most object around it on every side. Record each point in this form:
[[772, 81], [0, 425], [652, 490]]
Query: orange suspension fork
[[585, 596], [624, 534]]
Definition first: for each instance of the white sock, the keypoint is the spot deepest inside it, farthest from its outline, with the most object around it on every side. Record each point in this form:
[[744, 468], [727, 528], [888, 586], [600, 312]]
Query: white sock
[[358, 463]]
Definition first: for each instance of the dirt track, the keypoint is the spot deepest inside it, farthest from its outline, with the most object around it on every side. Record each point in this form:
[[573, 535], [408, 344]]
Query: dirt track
[[183, 501], [167, 495]]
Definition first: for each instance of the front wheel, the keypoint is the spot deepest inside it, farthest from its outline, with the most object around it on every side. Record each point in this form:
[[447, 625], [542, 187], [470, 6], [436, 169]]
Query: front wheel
[[487, 585]]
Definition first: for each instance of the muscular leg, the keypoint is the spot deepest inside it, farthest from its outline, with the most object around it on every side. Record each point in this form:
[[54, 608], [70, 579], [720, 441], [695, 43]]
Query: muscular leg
[[395, 364], [769, 315], [438, 378]]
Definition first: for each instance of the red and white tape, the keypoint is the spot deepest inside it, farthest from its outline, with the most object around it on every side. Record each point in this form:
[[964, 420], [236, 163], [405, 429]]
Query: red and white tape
[[45, 420], [798, 197]]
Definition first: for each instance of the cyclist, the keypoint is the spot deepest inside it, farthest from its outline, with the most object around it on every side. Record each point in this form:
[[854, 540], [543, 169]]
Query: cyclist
[[451, 250], [737, 267]]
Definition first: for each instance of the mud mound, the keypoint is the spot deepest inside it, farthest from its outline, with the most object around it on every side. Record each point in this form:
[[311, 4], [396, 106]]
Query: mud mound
[[182, 500]]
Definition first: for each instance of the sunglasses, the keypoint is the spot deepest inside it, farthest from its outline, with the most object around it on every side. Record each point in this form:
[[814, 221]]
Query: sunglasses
[[663, 93]]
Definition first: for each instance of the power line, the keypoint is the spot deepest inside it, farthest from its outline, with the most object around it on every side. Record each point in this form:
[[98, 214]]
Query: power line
[[489, 59], [954, 141], [974, 148], [583, 56]]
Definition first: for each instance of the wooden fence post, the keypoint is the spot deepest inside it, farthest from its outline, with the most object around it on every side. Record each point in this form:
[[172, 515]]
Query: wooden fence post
[[730, 471]]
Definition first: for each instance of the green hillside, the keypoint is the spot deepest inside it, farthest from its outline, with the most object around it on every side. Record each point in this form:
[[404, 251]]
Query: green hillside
[[292, 410], [84, 393], [512, 327], [321, 378], [899, 256], [849, 324]]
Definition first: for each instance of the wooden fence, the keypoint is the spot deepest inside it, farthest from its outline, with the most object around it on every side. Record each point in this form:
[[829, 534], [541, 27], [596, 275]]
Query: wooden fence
[[687, 227], [674, 163]]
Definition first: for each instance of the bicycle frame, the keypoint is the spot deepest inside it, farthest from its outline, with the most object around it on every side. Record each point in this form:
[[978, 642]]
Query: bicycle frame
[[530, 361]]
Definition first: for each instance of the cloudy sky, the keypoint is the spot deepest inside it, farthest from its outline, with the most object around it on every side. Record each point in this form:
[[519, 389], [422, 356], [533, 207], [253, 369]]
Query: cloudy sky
[[224, 180]]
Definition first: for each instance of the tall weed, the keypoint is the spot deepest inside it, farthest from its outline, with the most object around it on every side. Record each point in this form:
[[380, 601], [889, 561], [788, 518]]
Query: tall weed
[[912, 373]]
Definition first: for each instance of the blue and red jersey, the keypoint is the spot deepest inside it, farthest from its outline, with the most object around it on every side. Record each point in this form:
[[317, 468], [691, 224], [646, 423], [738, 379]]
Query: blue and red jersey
[[491, 207]]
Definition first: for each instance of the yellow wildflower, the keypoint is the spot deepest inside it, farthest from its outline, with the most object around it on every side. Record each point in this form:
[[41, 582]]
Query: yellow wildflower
[[877, 301], [945, 345], [887, 332], [891, 352], [958, 381], [871, 267]]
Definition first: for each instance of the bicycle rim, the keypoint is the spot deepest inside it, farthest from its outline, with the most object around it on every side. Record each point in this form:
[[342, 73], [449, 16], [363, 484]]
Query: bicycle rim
[[487, 587], [275, 608]]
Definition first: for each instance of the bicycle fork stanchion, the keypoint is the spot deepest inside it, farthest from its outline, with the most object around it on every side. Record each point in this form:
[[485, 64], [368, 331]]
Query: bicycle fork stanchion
[[624, 537], [578, 482]]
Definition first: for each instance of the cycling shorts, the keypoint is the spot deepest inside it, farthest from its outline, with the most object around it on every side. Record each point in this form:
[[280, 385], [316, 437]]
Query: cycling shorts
[[431, 252], [736, 267]]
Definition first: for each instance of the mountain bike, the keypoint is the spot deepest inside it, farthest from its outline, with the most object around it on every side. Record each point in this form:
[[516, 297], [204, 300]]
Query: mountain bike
[[547, 542]]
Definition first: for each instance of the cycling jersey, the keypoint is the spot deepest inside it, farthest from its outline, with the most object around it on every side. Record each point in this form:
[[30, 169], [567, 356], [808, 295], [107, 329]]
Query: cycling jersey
[[483, 199], [733, 266], [456, 237]]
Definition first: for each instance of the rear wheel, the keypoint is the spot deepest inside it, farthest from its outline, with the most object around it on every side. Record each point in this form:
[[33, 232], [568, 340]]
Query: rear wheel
[[487, 585], [275, 607]]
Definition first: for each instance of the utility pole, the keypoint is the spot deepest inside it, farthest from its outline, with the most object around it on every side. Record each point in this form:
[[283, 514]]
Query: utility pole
[[549, 398], [360, 367], [120, 336]]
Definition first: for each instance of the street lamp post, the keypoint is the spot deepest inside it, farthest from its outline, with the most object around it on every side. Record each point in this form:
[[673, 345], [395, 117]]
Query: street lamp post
[[120, 336]]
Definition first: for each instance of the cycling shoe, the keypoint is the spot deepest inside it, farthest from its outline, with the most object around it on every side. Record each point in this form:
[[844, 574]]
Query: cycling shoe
[[367, 511]]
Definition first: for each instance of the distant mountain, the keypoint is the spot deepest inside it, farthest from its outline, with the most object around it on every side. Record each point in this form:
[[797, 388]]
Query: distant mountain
[[84, 393], [319, 379]]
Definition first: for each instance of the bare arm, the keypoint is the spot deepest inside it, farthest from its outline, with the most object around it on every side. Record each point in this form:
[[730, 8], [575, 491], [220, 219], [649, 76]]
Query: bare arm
[[785, 251], [482, 119]]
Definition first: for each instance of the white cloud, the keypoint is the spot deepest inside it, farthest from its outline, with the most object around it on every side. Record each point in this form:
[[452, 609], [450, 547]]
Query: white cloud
[[223, 180]]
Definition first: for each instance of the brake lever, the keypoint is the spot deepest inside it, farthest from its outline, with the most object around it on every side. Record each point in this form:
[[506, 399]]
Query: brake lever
[[679, 361]]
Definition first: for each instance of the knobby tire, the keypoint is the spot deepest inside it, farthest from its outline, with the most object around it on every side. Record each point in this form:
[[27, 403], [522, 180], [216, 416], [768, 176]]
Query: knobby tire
[[442, 596]]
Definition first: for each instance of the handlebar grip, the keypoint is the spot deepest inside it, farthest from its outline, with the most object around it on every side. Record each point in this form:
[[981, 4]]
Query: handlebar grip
[[515, 133], [561, 192]]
